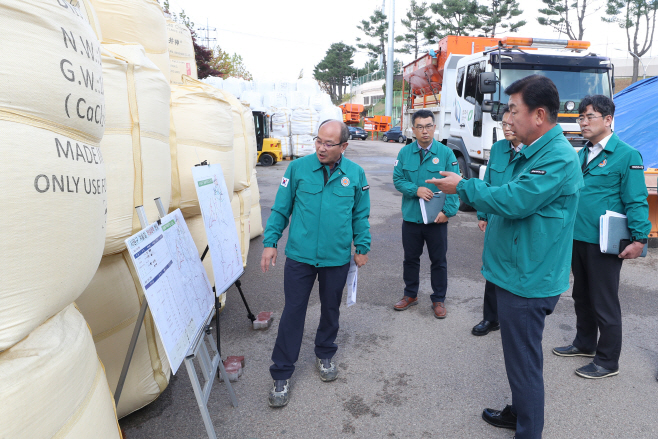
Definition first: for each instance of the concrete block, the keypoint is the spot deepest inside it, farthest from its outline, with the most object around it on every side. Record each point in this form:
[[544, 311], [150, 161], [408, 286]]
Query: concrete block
[[264, 320]]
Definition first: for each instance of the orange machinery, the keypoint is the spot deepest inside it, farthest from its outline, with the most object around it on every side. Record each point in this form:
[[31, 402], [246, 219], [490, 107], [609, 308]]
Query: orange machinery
[[351, 113], [377, 124]]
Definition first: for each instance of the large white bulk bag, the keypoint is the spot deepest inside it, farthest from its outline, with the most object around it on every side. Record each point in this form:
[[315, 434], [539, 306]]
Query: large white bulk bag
[[181, 52], [255, 218], [215, 81], [302, 144], [135, 21], [308, 86], [235, 86], [320, 100], [275, 99], [330, 113], [286, 146], [241, 143], [53, 386], [263, 86], [52, 175], [110, 305], [304, 121], [298, 99], [241, 206], [285, 87], [250, 136], [89, 15], [204, 132], [253, 98], [280, 122], [136, 143]]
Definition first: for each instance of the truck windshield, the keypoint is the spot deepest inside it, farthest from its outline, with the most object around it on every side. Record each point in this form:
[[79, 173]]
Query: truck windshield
[[572, 85]]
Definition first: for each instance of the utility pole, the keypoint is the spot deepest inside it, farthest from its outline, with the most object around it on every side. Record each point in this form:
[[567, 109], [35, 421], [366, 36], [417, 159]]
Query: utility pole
[[391, 61]]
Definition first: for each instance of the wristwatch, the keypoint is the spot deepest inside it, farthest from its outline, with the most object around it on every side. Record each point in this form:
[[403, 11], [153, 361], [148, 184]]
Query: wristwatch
[[643, 240]]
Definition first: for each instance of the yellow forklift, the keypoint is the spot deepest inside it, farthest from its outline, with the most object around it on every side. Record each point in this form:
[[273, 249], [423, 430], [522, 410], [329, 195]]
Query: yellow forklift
[[269, 150]]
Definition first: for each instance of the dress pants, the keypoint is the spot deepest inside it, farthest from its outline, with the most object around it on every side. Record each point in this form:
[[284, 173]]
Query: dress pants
[[596, 301], [521, 330], [298, 282], [490, 305], [414, 237]]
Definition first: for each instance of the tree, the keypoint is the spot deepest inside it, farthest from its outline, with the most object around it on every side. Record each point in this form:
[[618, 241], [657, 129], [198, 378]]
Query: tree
[[369, 67], [559, 15], [334, 72], [416, 21], [376, 28], [501, 12], [635, 14], [229, 65], [454, 17]]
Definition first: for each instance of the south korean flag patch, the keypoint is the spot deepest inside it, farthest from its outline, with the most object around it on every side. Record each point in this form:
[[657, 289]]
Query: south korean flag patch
[[285, 181], [396, 163]]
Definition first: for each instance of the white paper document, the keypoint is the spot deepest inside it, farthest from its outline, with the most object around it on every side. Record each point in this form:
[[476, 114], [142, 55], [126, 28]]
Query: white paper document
[[352, 279]]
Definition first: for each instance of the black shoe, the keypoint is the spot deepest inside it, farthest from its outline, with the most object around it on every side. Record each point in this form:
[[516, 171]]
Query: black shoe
[[485, 327], [280, 393], [594, 371], [571, 351], [500, 418]]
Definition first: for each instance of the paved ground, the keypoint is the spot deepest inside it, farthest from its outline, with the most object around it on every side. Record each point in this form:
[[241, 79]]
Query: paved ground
[[406, 374]]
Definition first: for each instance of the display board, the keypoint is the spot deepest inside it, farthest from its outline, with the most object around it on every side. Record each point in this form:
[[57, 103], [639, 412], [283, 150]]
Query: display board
[[175, 283], [215, 204]]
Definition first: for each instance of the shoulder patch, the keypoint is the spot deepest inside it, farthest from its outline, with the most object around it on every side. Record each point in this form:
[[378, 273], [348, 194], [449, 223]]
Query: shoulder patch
[[365, 188], [455, 163], [396, 163], [637, 167], [285, 181], [538, 172]]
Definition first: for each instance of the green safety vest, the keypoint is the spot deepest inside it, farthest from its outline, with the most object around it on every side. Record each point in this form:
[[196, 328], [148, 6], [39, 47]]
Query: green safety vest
[[531, 215], [409, 173], [324, 219]]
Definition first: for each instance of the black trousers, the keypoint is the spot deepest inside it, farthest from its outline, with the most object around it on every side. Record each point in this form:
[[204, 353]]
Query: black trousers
[[490, 305], [298, 280], [596, 301], [521, 331], [414, 237]]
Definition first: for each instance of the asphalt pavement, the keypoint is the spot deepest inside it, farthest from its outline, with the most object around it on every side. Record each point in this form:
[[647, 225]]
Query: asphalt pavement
[[406, 374]]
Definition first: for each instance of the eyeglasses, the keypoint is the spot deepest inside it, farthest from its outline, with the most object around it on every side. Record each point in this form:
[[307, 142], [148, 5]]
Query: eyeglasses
[[424, 128], [507, 125], [587, 118], [319, 142]]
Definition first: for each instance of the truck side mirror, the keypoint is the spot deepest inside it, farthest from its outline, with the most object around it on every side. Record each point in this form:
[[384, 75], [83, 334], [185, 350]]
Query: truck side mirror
[[487, 82]]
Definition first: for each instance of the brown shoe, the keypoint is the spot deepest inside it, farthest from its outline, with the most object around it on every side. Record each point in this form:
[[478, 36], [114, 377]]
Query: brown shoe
[[405, 303], [439, 310]]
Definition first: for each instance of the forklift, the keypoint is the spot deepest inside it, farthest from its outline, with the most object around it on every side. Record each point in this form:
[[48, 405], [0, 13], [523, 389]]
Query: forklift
[[269, 150]]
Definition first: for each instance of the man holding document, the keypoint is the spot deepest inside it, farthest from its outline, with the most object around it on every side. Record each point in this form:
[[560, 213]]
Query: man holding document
[[424, 213], [614, 181]]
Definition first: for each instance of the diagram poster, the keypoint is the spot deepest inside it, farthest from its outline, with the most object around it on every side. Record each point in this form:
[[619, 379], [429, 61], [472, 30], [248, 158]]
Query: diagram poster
[[215, 203]]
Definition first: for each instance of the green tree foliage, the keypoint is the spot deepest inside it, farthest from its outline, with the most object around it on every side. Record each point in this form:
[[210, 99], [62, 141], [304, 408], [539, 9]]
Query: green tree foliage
[[638, 16], [500, 13], [566, 16], [453, 17], [335, 70], [375, 28], [229, 65], [369, 67], [415, 22]]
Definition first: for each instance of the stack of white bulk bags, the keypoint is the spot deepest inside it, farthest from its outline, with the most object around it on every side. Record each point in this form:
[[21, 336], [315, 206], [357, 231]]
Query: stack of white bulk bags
[[137, 154], [280, 125], [250, 136], [303, 127], [263, 87], [181, 52], [275, 99], [331, 113], [135, 21], [253, 98], [215, 81], [286, 146], [298, 99], [235, 86], [52, 226], [320, 100], [255, 219], [244, 142], [285, 87], [308, 86]]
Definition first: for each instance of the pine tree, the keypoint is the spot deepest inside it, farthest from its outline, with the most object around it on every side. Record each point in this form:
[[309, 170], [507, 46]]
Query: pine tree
[[416, 22], [559, 14], [500, 13], [376, 27], [335, 70], [453, 17]]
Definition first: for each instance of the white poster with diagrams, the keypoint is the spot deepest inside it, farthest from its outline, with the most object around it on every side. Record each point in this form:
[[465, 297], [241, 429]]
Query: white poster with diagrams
[[215, 203], [175, 283]]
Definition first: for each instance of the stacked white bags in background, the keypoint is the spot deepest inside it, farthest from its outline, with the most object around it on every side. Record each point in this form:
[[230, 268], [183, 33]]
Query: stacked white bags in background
[[275, 99], [330, 113], [53, 223], [215, 81], [280, 124], [253, 98], [235, 86], [321, 100], [303, 127]]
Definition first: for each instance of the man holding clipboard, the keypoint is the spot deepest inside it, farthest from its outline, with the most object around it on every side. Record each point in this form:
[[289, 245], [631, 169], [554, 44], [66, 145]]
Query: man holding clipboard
[[614, 180], [417, 162]]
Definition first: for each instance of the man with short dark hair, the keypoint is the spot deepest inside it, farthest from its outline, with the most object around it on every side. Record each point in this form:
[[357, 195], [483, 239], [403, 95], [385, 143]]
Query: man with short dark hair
[[326, 198], [503, 155], [417, 162], [614, 180], [527, 248]]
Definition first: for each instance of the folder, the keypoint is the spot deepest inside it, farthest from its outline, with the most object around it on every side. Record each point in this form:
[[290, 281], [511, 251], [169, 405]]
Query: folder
[[613, 228], [430, 209]]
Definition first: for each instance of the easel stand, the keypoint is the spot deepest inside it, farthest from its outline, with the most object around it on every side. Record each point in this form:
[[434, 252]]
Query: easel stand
[[209, 361]]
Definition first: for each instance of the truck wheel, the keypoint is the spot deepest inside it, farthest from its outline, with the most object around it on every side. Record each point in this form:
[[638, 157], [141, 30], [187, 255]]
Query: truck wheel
[[266, 160], [465, 172], [400, 139], [384, 138]]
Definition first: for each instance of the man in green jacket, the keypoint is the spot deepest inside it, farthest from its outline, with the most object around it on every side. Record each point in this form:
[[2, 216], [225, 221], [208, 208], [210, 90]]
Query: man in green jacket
[[527, 247], [503, 156], [327, 199], [417, 162], [614, 180]]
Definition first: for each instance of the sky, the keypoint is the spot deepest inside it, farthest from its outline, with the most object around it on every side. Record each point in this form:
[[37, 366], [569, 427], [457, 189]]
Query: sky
[[277, 39]]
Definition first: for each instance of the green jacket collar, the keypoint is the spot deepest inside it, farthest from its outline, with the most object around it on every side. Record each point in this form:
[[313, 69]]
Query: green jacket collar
[[317, 165], [433, 148], [529, 150], [609, 148]]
